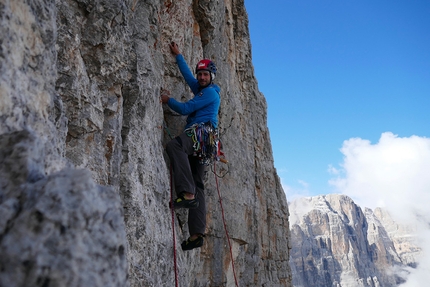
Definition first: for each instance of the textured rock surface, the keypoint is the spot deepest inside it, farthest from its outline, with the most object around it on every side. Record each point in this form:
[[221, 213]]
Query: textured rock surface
[[335, 244], [84, 177], [402, 237]]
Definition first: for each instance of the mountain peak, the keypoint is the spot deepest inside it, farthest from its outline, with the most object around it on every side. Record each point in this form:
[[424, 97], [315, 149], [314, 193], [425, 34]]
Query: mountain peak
[[335, 243]]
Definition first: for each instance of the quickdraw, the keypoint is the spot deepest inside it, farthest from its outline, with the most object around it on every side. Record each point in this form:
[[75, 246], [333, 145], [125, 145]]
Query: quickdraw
[[207, 145]]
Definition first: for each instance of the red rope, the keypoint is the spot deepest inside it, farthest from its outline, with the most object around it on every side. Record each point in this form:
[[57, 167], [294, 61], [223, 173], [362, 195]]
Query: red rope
[[173, 229], [225, 228]]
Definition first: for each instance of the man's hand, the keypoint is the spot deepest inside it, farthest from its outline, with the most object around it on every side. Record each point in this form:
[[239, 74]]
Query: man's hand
[[164, 98], [174, 48]]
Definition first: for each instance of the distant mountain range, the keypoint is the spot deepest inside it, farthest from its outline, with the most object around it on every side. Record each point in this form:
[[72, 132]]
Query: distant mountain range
[[337, 243]]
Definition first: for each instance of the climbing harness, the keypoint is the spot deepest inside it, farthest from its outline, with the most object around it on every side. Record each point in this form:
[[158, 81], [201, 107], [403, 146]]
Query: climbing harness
[[207, 145]]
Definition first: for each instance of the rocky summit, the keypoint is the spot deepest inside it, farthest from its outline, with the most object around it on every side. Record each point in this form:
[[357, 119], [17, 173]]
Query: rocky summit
[[336, 243], [84, 179]]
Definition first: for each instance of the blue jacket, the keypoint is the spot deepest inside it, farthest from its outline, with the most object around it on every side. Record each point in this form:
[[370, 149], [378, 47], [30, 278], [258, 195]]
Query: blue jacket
[[203, 107]]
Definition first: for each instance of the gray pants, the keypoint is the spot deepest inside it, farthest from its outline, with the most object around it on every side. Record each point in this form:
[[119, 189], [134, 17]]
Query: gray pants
[[188, 177]]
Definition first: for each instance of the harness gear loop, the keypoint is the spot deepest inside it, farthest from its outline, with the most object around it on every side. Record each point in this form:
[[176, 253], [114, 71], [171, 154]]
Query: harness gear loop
[[206, 143]]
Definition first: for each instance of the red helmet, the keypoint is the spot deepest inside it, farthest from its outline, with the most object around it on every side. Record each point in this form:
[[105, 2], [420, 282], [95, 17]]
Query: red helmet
[[206, 65]]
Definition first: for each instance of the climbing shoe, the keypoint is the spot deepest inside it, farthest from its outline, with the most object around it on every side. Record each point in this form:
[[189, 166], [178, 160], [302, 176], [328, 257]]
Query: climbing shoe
[[181, 202], [191, 244]]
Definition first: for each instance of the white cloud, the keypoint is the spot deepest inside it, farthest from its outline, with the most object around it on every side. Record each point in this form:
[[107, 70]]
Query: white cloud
[[395, 174], [420, 276], [298, 209], [293, 193], [304, 184], [332, 170]]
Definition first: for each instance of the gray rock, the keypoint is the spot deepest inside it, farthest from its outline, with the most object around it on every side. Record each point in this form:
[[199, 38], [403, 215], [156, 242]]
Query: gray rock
[[404, 238], [64, 231], [59, 229], [335, 244], [84, 177]]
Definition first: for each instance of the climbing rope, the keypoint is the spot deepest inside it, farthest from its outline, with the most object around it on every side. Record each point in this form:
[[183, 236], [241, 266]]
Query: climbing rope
[[175, 265], [225, 173], [166, 128], [225, 227], [173, 228]]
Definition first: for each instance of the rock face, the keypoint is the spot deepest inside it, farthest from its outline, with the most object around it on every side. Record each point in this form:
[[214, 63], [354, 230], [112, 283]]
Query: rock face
[[83, 174], [335, 243]]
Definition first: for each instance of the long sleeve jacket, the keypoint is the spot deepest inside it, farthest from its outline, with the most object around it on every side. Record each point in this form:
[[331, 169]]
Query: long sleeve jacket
[[204, 106]]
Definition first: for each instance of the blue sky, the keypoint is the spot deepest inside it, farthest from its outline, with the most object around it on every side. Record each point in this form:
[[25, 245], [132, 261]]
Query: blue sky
[[336, 70]]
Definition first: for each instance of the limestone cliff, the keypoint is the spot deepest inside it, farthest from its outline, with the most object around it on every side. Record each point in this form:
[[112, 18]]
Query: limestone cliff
[[335, 243], [83, 174]]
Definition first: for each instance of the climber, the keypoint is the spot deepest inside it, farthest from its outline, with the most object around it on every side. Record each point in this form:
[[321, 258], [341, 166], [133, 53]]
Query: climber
[[188, 171]]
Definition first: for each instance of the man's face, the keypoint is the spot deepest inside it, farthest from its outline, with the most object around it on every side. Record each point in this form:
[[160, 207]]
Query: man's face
[[204, 78]]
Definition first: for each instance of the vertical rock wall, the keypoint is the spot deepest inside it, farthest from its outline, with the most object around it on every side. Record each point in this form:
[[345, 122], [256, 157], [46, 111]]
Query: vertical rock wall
[[335, 243], [57, 226], [84, 176]]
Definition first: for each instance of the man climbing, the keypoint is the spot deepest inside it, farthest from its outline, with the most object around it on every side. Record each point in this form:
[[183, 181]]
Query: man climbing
[[188, 170]]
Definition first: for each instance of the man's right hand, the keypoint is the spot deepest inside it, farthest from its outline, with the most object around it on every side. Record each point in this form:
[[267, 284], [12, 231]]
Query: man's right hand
[[174, 48], [164, 99]]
